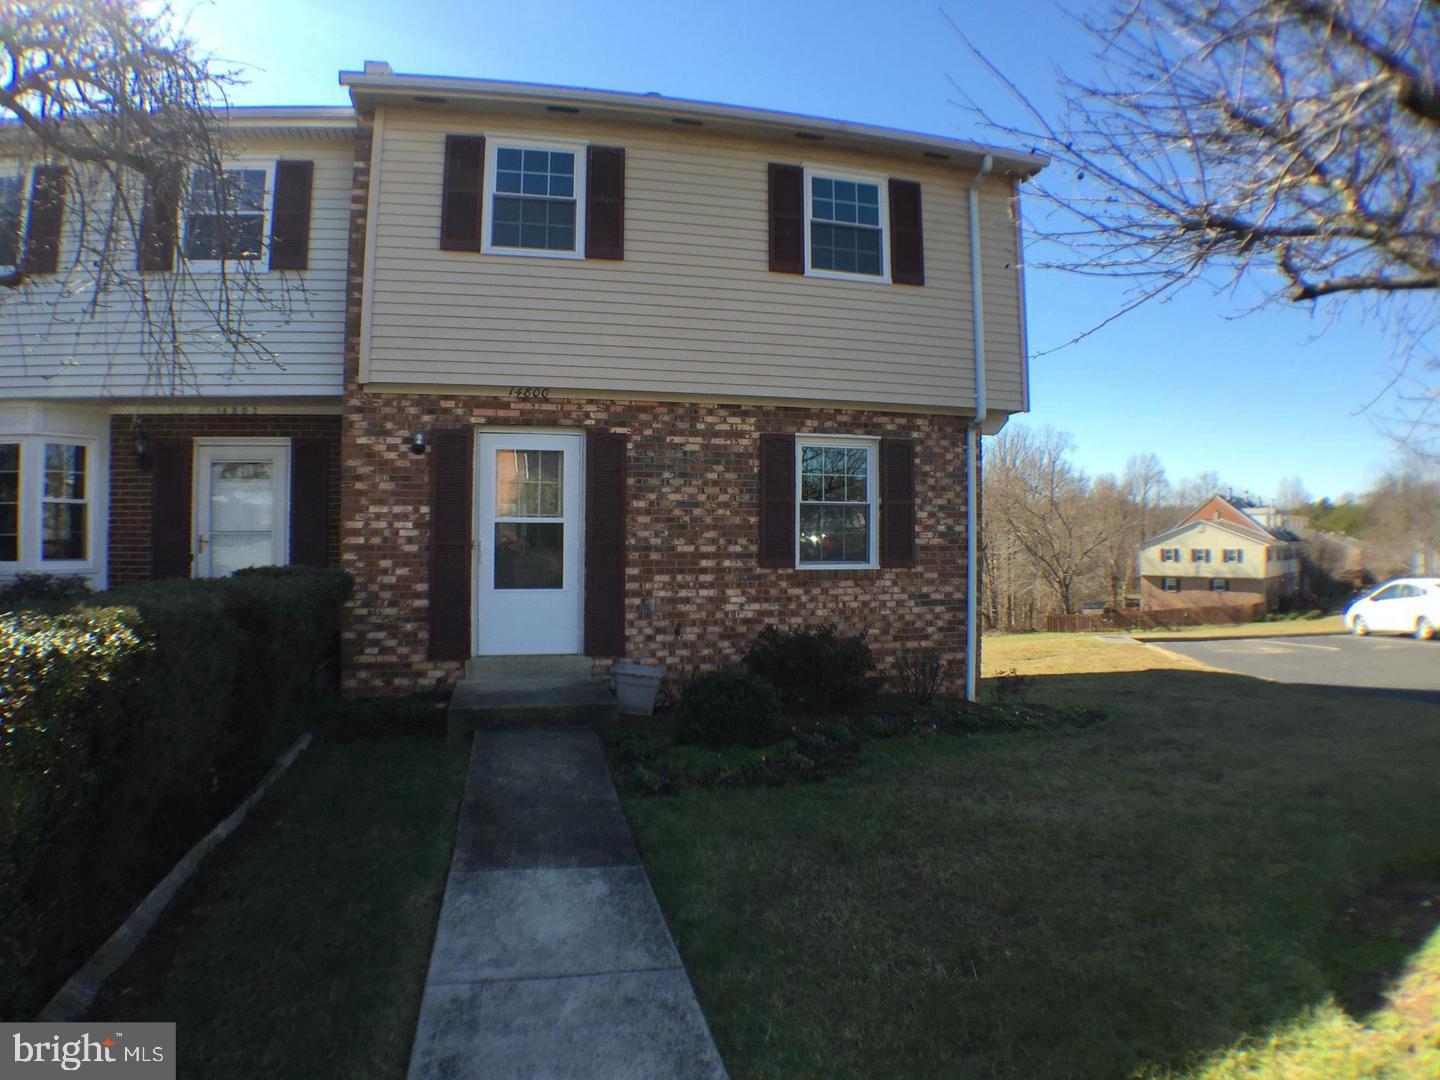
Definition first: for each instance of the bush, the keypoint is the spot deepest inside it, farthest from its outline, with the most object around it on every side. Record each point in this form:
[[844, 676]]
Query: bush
[[918, 674], [728, 708], [812, 667], [25, 589], [128, 726]]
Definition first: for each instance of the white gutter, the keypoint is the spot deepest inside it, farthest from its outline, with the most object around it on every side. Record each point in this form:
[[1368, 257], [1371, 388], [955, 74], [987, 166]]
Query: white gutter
[[972, 443]]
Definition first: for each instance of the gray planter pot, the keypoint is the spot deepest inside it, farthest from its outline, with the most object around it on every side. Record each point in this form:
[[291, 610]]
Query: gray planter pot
[[636, 686]]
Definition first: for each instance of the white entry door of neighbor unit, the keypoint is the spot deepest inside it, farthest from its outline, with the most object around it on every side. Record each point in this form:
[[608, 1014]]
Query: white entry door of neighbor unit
[[242, 505], [528, 544]]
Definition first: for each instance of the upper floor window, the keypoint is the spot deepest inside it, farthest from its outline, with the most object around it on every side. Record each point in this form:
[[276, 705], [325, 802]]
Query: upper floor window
[[837, 504], [1199, 555], [1169, 554], [845, 226], [534, 206], [225, 215], [12, 191], [1232, 555]]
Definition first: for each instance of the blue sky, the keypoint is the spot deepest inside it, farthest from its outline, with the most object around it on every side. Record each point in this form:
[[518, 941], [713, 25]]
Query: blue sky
[[1254, 398]]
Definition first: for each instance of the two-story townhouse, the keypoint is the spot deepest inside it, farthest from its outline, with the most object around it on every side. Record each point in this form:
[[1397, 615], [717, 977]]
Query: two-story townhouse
[[1219, 556], [117, 463], [637, 377]]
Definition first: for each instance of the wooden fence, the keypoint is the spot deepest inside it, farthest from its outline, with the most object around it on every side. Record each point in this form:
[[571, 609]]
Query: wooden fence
[[1130, 619]]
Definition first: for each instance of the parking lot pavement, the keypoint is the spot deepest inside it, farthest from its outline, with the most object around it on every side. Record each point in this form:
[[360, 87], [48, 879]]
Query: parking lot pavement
[[1375, 664]]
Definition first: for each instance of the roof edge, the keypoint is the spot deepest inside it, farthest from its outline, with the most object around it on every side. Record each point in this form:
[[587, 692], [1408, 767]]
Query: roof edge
[[368, 84]]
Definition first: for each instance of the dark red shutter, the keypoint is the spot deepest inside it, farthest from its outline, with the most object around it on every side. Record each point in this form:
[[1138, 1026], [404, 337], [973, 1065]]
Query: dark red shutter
[[451, 480], [777, 500], [462, 199], [170, 509], [605, 203], [290, 215], [309, 502], [47, 213], [159, 210], [605, 453], [907, 239], [897, 502], [787, 219]]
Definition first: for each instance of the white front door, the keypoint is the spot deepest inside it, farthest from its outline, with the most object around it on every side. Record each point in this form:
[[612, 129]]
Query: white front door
[[528, 544], [242, 505]]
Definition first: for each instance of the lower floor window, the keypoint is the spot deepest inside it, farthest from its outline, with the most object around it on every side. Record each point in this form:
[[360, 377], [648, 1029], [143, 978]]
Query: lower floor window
[[1170, 584], [65, 520], [1219, 584], [9, 502], [44, 502], [837, 504]]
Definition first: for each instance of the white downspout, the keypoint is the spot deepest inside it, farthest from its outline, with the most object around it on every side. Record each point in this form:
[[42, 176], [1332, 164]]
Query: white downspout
[[972, 443]]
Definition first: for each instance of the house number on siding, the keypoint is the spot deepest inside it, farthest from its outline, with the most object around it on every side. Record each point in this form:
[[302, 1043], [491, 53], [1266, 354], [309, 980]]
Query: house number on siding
[[530, 393]]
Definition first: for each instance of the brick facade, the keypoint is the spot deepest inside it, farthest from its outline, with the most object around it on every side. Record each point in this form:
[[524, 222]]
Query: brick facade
[[1195, 592], [131, 487], [694, 593]]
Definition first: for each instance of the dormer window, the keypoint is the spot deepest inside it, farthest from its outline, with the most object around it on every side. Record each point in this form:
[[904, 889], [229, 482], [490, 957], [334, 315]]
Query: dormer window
[[225, 215], [845, 224], [534, 208]]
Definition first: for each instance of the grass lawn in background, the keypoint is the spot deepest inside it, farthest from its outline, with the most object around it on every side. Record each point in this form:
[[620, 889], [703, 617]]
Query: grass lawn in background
[[1222, 879], [1328, 624], [300, 948]]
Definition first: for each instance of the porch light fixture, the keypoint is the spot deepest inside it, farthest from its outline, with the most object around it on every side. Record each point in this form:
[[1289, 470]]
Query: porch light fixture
[[144, 451], [418, 444]]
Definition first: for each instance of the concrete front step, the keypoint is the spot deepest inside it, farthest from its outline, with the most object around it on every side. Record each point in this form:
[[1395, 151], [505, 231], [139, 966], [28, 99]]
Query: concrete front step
[[487, 703], [546, 666]]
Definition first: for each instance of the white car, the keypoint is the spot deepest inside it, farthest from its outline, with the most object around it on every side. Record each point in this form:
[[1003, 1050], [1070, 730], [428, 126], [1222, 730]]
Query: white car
[[1402, 606]]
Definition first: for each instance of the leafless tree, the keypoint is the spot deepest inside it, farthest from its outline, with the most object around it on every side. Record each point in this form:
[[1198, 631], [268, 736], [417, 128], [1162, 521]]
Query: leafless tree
[[1291, 494], [1041, 502], [1293, 141], [1403, 535], [122, 111]]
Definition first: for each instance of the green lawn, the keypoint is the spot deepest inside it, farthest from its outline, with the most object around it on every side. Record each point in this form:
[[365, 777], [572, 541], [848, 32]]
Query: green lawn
[[1159, 895], [300, 948]]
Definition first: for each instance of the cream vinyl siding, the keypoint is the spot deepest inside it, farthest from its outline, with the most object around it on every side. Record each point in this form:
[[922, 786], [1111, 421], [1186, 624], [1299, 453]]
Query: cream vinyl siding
[[693, 308], [1202, 535], [51, 347]]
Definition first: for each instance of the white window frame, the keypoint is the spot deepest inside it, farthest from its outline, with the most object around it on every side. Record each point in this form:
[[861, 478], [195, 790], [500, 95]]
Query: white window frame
[[215, 266], [31, 539], [26, 178], [882, 183], [1233, 555], [1199, 555], [872, 491], [1219, 584], [1165, 584], [497, 141]]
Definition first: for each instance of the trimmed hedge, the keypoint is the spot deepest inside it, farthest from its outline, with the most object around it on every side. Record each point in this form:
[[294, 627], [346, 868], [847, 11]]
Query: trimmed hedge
[[129, 724]]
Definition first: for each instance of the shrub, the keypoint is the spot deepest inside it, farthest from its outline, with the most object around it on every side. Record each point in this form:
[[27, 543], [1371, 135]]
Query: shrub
[[128, 726], [1010, 686], [918, 674], [728, 708], [26, 589], [812, 667]]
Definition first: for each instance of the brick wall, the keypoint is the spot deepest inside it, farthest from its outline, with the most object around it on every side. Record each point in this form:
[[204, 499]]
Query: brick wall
[[695, 595], [131, 487], [1195, 592]]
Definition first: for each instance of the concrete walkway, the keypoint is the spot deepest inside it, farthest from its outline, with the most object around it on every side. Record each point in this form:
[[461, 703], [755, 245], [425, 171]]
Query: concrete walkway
[[552, 957]]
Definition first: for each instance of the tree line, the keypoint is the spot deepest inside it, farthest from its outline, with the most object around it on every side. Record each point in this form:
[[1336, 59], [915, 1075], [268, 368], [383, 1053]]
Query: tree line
[[1053, 537]]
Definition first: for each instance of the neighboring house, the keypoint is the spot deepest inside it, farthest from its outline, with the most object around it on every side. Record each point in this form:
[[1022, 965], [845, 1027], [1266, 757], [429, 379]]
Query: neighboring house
[[637, 376], [1219, 556], [566, 371], [116, 465]]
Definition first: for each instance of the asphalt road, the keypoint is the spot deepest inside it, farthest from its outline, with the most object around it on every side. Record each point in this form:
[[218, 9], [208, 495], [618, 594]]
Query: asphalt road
[[1392, 664]]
